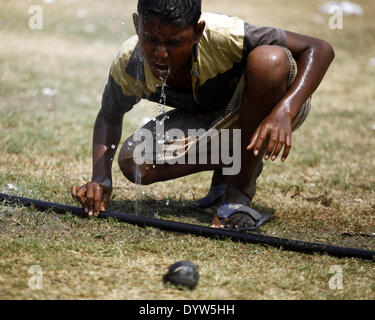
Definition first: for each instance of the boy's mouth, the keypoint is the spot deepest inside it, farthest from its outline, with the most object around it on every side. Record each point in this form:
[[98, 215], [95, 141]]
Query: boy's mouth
[[160, 70]]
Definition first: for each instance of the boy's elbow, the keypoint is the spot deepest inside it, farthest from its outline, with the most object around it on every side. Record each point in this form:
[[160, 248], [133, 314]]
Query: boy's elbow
[[327, 50]]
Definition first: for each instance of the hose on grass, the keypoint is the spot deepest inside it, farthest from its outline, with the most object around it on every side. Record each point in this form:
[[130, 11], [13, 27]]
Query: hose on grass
[[286, 244]]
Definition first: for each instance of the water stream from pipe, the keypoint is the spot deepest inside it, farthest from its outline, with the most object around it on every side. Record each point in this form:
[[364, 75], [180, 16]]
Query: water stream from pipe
[[138, 192]]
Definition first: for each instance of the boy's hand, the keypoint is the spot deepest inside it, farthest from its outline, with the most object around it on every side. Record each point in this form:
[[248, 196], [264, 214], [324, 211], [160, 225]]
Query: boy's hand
[[277, 127], [93, 197]]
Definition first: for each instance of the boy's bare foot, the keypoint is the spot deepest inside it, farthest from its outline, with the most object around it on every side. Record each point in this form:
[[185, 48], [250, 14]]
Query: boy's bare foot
[[216, 196], [234, 212]]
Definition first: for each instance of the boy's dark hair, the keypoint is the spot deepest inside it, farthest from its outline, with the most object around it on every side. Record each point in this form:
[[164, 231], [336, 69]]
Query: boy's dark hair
[[185, 12]]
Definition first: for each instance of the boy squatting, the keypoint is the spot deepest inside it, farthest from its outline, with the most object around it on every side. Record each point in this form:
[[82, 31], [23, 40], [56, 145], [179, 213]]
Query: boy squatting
[[220, 73]]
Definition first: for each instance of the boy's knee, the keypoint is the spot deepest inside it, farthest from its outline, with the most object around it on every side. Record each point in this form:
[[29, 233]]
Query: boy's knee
[[135, 173], [140, 174], [268, 64]]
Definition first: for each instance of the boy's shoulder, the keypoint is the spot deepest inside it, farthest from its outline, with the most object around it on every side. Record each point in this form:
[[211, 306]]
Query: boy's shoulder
[[221, 23], [126, 50], [127, 69], [223, 35]]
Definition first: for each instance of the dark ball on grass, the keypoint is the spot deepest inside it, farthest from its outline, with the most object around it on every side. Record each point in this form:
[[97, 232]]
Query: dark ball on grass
[[182, 273]]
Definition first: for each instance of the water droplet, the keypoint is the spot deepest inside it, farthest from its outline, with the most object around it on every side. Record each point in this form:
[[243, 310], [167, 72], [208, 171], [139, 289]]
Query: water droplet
[[113, 147], [167, 202], [163, 98]]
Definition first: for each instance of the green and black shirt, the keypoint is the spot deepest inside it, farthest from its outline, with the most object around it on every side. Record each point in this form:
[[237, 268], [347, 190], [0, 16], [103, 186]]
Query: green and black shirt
[[218, 63]]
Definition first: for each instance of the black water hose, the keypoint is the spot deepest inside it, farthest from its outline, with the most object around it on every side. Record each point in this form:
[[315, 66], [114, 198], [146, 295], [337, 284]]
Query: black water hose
[[287, 244]]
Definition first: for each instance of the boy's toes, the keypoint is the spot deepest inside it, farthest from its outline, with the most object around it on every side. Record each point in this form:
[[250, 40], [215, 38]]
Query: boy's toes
[[239, 220], [215, 223]]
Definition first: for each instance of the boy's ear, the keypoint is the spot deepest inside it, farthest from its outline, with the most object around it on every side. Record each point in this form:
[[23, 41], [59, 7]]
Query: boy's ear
[[199, 31], [136, 22]]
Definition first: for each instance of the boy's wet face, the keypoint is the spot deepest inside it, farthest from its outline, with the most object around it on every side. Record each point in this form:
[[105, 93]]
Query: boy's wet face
[[166, 47]]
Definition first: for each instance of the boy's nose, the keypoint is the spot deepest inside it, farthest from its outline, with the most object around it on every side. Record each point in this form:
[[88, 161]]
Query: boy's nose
[[161, 52]]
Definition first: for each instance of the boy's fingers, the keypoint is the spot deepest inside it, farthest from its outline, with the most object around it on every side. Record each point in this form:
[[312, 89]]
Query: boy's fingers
[[90, 198], [287, 148], [74, 191], [260, 141], [278, 147], [106, 199], [253, 139], [81, 194], [98, 199], [103, 206], [272, 143]]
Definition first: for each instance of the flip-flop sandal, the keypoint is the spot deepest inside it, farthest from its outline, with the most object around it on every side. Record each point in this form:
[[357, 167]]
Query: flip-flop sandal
[[228, 209], [216, 192]]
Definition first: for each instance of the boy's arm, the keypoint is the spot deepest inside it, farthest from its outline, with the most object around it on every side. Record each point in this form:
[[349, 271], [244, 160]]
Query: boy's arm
[[94, 196], [313, 57], [106, 137]]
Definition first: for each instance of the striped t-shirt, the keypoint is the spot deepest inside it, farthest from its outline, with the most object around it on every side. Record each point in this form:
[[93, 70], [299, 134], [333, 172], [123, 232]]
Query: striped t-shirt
[[218, 63]]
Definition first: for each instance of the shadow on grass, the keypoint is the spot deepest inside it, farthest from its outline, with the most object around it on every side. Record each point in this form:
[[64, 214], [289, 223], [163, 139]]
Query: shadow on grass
[[168, 209]]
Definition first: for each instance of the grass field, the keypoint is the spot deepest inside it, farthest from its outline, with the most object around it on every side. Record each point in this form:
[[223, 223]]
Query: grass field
[[324, 191]]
